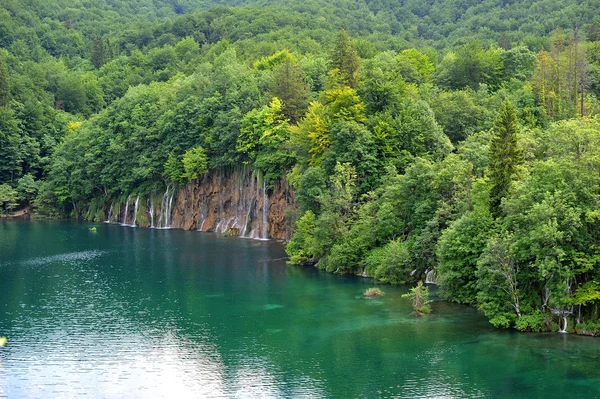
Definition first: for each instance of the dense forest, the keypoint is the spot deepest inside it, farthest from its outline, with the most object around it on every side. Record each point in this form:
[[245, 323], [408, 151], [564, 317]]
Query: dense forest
[[455, 141]]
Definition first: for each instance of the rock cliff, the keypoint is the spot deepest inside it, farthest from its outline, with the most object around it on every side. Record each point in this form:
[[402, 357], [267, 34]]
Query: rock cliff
[[235, 202]]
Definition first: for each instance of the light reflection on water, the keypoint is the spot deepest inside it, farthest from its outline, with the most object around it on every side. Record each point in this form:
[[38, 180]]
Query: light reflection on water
[[130, 313]]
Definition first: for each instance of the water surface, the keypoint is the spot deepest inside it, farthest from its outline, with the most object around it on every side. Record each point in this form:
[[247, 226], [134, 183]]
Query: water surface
[[139, 313]]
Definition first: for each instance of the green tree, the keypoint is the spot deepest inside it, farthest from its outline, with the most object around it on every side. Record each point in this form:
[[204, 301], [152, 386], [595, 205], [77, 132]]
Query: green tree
[[4, 85], [419, 297], [593, 33], [8, 197], [470, 66], [505, 156], [345, 59], [173, 169], [10, 146], [99, 57], [460, 247], [195, 163], [289, 85], [300, 247], [27, 188]]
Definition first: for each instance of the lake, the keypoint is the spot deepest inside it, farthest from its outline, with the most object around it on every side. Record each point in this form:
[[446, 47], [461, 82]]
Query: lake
[[143, 313]]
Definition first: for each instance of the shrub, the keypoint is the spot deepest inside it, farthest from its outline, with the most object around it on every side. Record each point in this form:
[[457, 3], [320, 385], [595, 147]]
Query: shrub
[[373, 293]]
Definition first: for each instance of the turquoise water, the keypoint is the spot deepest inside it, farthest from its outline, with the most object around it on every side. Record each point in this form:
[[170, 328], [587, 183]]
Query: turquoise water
[[139, 313]]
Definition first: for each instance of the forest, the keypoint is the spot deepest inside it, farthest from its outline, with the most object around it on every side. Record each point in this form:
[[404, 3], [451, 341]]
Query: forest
[[453, 141]]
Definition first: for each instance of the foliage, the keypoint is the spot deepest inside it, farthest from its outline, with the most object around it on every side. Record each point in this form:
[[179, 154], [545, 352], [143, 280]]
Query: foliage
[[8, 198], [195, 163], [345, 60], [373, 292], [505, 156], [419, 297]]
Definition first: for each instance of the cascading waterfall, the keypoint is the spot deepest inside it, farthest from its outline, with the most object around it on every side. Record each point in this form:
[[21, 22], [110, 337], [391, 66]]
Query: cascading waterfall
[[110, 212], [164, 221], [126, 209], [431, 276], [563, 329], [237, 202], [151, 208], [265, 213], [249, 205], [170, 208], [364, 272], [135, 210]]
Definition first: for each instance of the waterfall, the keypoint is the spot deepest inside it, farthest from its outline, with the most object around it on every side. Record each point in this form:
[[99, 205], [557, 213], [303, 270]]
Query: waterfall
[[249, 204], [265, 213], [165, 208], [170, 207], [562, 314], [431, 277], [563, 329], [110, 212], [151, 207], [135, 210], [245, 231], [364, 272], [126, 209]]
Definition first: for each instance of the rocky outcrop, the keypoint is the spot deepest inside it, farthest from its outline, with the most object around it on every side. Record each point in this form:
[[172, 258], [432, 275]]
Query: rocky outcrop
[[236, 202]]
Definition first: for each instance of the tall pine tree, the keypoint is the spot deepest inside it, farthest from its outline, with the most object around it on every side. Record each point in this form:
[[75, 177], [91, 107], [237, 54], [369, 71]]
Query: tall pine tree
[[345, 59], [4, 87], [289, 85], [505, 155]]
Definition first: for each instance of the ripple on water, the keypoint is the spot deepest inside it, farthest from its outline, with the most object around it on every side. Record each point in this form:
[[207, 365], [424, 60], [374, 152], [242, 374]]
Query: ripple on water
[[71, 257]]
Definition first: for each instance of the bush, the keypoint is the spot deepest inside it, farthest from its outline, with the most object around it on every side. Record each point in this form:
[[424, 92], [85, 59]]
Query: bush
[[419, 297], [373, 292], [532, 323], [588, 328]]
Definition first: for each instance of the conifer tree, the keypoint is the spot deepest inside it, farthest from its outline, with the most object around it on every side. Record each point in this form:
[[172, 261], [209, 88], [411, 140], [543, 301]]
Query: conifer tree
[[98, 53], [289, 85], [505, 155], [345, 59], [593, 34], [4, 87]]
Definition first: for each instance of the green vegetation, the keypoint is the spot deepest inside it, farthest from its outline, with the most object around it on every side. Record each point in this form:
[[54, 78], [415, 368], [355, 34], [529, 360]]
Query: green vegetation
[[424, 136], [419, 297], [373, 292]]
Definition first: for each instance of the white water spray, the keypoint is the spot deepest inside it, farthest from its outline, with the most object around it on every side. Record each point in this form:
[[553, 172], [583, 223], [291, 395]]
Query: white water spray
[[431, 277], [110, 212], [126, 209], [265, 213], [135, 210]]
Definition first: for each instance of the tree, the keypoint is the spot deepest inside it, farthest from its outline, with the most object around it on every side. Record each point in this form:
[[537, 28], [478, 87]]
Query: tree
[[4, 85], [415, 66], [300, 246], [505, 155], [470, 66], [8, 197], [99, 53], [10, 146], [345, 59], [289, 85], [593, 33], [27, 188], [195, 163], [460, 247], [419, 296], [499, 294]]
